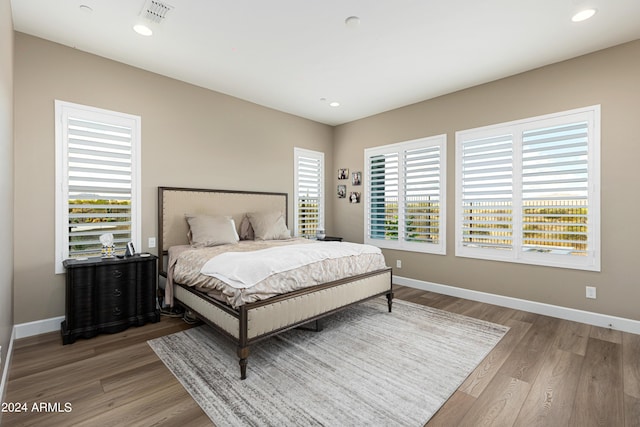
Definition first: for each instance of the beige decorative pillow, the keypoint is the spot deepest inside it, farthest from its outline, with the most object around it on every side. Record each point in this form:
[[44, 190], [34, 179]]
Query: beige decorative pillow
[[211, 230], [269, 225]]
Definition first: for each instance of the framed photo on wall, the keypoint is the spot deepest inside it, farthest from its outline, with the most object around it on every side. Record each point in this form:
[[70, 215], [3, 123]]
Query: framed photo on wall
[[343, 173], [356, 178], [342, 191]]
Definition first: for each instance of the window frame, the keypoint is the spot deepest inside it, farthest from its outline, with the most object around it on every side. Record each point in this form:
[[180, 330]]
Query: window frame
[[319, 156], [402, 243], [517, 129], [62, 111]]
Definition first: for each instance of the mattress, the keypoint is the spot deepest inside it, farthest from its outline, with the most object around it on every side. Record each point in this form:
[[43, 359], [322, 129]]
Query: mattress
[[185, 264]]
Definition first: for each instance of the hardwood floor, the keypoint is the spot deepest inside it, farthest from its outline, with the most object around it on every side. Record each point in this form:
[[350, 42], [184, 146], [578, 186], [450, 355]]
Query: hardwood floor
[[109, 380], [544, 372]]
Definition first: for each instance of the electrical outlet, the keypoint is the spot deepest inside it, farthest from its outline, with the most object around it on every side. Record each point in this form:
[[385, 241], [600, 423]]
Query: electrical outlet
[[152, 242], [399, 263], [591, 292]]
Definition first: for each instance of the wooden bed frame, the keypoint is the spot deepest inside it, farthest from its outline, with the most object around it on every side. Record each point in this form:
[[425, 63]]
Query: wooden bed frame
[[259, 320]]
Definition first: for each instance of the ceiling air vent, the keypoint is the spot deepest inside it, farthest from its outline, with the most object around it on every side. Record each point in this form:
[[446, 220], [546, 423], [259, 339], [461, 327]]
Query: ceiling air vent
[[155, 11]]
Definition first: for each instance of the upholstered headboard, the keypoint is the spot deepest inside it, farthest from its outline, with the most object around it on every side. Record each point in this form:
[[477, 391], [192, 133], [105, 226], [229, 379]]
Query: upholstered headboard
[[174, 203]]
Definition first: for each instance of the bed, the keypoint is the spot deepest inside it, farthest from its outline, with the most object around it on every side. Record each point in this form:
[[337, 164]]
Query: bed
[[259, 316]]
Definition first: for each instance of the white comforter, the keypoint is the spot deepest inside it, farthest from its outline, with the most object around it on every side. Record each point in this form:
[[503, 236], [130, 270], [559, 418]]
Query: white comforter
[[246, 269]]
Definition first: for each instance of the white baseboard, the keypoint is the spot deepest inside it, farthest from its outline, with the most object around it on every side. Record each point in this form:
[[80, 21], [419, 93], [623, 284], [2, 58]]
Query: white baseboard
[[590, 318], [5, 370], [38, 327]]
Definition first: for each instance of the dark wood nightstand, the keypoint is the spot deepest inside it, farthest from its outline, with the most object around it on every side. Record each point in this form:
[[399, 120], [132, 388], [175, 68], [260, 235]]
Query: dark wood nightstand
[[107, 295], [330, 239]]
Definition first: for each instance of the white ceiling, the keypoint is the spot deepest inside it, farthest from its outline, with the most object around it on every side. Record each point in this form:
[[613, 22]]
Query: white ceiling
[[297, 56]]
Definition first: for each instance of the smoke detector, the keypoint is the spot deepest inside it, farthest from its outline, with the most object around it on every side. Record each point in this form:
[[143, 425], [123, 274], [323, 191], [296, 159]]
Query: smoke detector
[[155, 11]]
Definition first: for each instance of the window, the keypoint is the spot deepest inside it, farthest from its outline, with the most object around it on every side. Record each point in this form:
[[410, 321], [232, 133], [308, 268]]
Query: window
[[309, 192], [97, 180], [528, 191], [406, 195]]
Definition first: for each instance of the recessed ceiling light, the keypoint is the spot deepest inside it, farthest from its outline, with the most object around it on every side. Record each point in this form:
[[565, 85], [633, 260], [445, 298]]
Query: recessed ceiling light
[[85, 8], [583, 15], [142, 29], [334, 104]]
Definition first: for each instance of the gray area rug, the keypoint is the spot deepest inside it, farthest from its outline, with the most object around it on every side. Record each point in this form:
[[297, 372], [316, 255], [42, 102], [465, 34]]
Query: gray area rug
[[366, 367]]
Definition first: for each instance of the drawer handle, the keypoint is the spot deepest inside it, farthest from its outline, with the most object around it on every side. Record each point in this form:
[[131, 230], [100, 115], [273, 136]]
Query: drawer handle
[[117, 292], [117, 274], [116, 311]]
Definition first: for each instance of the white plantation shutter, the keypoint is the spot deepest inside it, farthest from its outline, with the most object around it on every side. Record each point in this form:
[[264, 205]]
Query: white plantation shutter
[[555, 189], [528, 191], [422, 192], [99, 190], [487, 196], [405, 186], [382, 203], [309, 192], [98, 179]]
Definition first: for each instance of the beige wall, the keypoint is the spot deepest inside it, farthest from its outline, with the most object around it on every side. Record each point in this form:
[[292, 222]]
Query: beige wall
[[196, 137], [6, 179], [191, 137], [611, 78]]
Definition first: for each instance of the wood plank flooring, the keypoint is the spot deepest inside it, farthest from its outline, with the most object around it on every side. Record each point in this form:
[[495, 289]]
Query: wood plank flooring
[[544, 372]]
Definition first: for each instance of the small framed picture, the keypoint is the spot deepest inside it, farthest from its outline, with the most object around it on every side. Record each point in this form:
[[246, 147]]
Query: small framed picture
[[354, 197], [342, 191], [343, 173], [356, 178], [130, 251]]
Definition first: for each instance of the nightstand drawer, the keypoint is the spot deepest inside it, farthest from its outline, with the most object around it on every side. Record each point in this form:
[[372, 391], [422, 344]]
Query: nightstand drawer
[[115, 276]]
